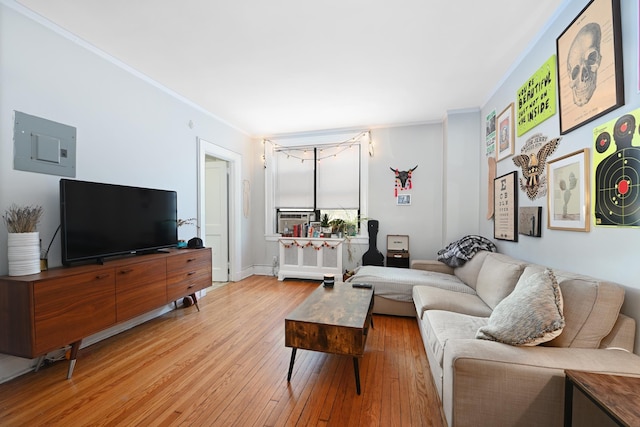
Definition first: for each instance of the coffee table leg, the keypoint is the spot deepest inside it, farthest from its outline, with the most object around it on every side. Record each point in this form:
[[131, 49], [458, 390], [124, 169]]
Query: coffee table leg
[[356, 370], [293, 359]]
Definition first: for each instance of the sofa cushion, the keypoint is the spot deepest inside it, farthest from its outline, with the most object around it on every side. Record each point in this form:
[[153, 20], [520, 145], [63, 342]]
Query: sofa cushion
[[497, 278], [430, 298], [591, 308], [530, 315], [468, 273], [442, 326], [398, 283]]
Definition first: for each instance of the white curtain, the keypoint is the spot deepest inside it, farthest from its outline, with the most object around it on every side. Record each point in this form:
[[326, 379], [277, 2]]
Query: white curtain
[[338, 171], [294, 180]]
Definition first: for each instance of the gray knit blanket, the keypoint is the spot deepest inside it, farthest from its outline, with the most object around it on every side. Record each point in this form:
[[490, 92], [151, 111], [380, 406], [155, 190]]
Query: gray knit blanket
[[455, 254]]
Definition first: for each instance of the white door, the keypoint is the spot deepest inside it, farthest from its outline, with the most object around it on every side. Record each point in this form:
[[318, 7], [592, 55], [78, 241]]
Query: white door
[[216, 216]]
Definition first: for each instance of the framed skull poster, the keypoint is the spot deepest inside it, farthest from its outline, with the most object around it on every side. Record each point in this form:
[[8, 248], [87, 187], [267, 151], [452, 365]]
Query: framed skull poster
[[589, 62]]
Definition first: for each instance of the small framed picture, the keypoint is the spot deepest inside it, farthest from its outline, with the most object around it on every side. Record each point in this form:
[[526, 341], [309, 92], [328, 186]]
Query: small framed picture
[[505, 134], [505, 207], [403, 200], [529, 221]]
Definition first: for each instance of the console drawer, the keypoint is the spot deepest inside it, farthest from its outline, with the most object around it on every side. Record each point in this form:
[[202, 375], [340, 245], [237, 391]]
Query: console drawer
[[188, 273], [187, 283], [189, 262], [140, 287], [70, 308]]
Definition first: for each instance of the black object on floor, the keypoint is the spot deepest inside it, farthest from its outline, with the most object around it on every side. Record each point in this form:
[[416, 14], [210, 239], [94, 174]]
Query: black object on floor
[[373, 256]]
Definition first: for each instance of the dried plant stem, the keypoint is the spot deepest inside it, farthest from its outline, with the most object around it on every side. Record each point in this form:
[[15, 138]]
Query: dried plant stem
[[189, 221], [22, 219]]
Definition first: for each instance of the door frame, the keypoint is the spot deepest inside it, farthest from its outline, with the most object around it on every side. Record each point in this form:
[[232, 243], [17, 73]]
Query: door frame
[[206, 148]]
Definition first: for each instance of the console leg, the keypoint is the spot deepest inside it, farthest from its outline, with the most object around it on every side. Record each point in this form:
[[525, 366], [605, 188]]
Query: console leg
[[293, 359], [39, 363], [72, 364], [195, 301], [72, 359]]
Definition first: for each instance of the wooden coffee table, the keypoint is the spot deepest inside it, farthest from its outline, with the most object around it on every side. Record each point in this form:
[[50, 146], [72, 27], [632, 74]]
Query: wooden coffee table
[[331, 320]]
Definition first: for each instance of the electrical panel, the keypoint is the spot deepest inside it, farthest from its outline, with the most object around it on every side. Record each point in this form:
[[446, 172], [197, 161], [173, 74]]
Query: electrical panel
[[43, 146]]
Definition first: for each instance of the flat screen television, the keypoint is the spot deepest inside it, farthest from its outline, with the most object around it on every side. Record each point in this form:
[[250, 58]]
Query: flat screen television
[[102, 220]]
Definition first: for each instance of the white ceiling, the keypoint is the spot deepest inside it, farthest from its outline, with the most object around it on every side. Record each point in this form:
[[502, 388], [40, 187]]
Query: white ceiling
[[283, 66]]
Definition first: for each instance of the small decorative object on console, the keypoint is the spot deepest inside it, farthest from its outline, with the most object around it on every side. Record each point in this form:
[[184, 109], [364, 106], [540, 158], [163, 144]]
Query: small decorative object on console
[[23, 241], [195, 243], [329, 280]]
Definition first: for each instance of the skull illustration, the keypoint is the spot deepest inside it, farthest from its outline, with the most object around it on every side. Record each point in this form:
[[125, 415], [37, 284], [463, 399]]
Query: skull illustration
[[583, 62]]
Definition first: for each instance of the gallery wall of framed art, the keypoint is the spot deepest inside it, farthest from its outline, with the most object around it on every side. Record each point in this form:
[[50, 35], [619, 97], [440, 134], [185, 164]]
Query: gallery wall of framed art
[[589, 216]]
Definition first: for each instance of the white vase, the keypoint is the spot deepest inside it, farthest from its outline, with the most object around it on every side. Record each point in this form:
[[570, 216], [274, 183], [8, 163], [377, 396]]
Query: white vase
[[23, 253]]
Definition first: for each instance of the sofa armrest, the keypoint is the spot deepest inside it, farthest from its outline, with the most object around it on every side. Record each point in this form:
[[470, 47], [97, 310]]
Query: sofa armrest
[[431, 265], [506, 385]]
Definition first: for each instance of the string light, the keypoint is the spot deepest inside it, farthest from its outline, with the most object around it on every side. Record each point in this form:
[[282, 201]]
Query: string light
[[301, 153]]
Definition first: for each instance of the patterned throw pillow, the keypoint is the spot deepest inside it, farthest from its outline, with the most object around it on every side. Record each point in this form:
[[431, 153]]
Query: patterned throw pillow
[[530, 315]]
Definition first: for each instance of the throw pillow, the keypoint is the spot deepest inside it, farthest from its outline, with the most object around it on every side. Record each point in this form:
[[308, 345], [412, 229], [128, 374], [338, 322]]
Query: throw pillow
[[530, 315]]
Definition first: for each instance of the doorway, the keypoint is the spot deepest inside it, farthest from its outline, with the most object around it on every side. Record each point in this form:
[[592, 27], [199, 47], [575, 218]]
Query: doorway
[[211, 221], [216, 216]]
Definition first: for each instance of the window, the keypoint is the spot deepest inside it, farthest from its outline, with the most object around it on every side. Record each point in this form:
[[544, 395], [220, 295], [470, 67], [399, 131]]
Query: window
[[323, 177]]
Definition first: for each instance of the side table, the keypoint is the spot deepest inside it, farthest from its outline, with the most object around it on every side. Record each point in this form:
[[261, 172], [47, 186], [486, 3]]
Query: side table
[[615, 395]]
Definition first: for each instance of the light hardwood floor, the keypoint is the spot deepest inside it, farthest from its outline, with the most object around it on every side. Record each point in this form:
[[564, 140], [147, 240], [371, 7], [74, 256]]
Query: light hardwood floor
[[227, 366]]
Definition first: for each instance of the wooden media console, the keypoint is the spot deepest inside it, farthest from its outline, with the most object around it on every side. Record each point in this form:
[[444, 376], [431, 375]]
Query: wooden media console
[[47, 311]]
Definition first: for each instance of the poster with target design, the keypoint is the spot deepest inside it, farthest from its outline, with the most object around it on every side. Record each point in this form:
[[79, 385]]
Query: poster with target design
[[616, 178]]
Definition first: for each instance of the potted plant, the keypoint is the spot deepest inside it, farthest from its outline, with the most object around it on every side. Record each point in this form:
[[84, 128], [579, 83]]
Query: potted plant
[[337, 225], [347, 229], [23, 239], [190, 221], [325, 224]]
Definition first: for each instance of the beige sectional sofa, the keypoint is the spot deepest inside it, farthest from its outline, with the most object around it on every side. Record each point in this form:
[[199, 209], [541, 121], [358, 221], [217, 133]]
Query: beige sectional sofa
[[487, 383]]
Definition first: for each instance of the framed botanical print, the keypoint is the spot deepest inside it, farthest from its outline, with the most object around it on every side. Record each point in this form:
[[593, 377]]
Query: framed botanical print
[[505, 145], [568, 194], [505, 206], [589, 61]]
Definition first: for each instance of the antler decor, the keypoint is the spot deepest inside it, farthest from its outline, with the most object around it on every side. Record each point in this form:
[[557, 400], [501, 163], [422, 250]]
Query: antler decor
[[403, 179]]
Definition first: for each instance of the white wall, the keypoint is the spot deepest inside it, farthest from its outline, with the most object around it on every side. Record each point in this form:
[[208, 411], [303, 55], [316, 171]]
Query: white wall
[[403, 148], [609, 253], [129, 130], [461, 153]]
